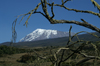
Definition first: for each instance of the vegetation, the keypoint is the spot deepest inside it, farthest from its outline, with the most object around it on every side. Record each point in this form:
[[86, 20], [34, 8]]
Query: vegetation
[[7, 50], [26, 58], [31, 57]]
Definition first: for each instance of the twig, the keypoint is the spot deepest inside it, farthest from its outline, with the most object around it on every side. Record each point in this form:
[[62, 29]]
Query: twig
[[52, 11], [65, 2], [87, 58], [96, 4]]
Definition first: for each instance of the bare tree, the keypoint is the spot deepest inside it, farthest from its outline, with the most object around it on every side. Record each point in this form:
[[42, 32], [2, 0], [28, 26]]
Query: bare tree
[[58, 60]]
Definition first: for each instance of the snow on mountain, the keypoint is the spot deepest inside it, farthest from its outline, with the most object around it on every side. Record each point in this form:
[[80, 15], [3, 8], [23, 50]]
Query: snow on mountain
[[40, 34]]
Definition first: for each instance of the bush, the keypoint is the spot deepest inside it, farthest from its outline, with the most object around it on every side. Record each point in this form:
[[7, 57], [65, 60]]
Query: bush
[[7, 50], [27, 58]]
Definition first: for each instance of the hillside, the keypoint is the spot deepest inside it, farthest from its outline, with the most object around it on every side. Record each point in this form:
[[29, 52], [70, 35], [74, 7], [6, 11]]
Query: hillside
[[53, 42]]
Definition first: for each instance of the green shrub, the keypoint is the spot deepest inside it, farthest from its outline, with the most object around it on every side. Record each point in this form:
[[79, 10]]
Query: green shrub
[[7, 50], [27, 58]]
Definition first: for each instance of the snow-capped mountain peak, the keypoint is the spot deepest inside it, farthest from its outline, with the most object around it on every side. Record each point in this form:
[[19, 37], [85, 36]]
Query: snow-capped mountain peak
[[40, 34], [48, 32]]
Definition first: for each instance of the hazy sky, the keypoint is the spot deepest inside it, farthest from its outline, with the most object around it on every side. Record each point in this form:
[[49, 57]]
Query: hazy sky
[[9, 9]]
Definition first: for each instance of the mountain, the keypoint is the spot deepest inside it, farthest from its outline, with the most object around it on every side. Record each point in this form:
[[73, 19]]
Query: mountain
[[54, 42], [41, 34]]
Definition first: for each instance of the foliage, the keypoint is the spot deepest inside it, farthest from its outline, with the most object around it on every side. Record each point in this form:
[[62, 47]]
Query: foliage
[[4, 50], [27, 58], [41, 62]]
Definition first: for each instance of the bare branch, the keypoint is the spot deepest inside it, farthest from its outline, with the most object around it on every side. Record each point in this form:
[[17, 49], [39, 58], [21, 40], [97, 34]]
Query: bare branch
[[75, 51], [69, 34], [87, 25], [87, 58], [80, 40], [96, 4], [31, 12], [62, 1], [40, 13], [65, 2], [75, 43], [84, 21], [52, 11], [82, 11], [39, 55]]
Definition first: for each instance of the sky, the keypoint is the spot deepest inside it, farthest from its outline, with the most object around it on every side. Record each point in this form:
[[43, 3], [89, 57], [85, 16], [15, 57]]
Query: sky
[[9, 9]]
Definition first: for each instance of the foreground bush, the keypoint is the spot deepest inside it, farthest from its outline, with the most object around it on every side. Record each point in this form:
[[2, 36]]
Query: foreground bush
[[27, 58], [7, 50]]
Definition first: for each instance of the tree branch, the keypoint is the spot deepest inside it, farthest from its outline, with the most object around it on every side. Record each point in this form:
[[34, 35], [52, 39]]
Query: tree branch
[[40, 13], [52, 11], [53, 21], [69, 35], [87, 25], [82, 11], [96, 4], [65, 2], [75, 51], [87, 58]]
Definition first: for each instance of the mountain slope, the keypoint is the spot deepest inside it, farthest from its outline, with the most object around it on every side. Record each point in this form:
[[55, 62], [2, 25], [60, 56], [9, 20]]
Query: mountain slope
[[41, 34], [53, 42]]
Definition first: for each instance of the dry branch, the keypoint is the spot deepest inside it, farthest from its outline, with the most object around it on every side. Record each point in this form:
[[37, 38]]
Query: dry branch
[[96, 5], [53, 21], [87, 58], [82, 11]]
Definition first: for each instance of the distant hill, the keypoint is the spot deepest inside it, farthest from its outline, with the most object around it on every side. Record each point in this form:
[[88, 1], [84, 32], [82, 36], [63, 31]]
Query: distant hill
[[54, 42], [6, 43]]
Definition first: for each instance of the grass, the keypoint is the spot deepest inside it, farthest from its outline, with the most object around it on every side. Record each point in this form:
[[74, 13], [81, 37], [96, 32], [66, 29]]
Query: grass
[[11, 60]]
